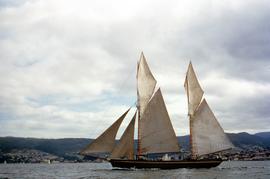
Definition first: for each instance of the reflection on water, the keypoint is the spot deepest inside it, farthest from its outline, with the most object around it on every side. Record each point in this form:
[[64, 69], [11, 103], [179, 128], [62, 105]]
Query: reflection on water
[[234, 169]]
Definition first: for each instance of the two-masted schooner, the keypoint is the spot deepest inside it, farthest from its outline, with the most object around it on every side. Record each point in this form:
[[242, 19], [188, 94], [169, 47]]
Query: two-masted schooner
[[155, 131]]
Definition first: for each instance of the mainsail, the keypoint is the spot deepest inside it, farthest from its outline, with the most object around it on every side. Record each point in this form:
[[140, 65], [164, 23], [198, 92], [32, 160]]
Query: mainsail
[[207, 134], [125, 147], [193, 89], [145, 83], [106, 141], [157, 134]]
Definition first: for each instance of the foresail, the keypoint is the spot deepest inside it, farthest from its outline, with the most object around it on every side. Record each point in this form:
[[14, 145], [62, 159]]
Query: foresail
[[125, 147], [193, 90], [145, 83], [207, 134], [106, 141], [157, 134]]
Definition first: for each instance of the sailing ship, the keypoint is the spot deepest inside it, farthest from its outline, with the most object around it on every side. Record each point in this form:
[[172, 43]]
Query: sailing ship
[[155, 131]]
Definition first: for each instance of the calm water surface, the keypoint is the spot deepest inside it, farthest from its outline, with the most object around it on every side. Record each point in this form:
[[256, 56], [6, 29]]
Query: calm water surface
[[234, 169]]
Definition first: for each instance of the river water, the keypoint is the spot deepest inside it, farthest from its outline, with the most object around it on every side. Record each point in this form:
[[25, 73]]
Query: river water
[[230, 169]]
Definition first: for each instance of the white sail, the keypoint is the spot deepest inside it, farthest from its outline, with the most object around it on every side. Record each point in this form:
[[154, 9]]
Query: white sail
[[125, 147], [106, 141], [193, 90], [206, 133], [157, 134], [146, 84]]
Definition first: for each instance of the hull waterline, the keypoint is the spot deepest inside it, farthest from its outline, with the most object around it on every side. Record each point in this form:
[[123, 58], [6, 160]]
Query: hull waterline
[[173, 164]]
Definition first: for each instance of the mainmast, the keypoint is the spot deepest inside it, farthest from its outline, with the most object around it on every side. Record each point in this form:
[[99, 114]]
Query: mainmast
[[206, 134], [194, 97], [190, 130]]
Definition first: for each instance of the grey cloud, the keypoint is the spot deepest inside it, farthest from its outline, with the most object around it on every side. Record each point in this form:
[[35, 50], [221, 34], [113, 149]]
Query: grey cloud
[[236, 42], [83, 60]]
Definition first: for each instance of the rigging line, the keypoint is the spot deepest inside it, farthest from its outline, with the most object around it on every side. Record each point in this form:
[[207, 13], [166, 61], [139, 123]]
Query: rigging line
[[123, 85], [125, 81], [134, 104]]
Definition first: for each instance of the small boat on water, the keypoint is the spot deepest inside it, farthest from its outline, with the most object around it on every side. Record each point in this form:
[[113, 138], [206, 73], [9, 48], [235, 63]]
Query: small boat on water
[[155, 131]]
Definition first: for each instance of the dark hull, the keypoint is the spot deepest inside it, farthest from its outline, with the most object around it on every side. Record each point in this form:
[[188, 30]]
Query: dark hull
[[173, 164]]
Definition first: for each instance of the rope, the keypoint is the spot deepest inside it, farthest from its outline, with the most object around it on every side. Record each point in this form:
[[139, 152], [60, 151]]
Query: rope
[[124, 82], [126, 79]]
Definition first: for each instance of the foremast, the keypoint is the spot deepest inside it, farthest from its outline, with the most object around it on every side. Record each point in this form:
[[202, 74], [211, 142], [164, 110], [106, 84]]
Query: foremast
[[146, 84], [155, 130]]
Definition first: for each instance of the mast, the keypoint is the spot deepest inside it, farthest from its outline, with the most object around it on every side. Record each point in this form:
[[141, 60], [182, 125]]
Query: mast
[[139, 152], [189, 116], [194, 96], [206, 134], [139, 117], [146, 84]]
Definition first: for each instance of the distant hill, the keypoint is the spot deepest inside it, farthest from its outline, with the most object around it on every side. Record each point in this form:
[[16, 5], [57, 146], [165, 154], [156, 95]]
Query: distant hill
[[67, 146], [263, 135], [59, 147], [244, 138]]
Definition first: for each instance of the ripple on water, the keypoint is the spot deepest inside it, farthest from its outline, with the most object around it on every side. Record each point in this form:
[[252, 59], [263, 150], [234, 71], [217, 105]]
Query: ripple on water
[[233, 169]]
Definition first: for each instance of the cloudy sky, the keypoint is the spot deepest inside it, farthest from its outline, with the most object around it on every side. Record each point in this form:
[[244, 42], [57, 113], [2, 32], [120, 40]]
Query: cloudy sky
[[67, 68]]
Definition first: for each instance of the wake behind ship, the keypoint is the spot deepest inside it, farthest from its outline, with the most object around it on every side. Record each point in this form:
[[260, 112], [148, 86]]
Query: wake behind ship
[[155, 131]]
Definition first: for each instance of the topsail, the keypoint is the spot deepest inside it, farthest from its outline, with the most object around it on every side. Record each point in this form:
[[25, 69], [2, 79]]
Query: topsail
[[193, 89], [145, 83]]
